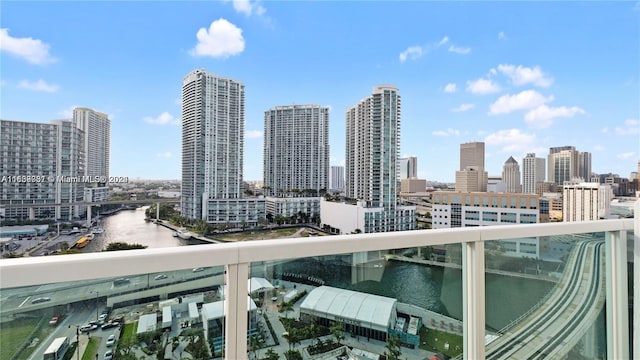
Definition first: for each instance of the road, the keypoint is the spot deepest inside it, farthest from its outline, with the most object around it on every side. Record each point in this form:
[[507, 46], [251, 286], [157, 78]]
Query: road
[[556, 327]]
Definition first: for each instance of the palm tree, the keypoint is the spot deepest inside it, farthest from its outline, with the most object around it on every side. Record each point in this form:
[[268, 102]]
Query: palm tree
[[337, 332], [393, 345]]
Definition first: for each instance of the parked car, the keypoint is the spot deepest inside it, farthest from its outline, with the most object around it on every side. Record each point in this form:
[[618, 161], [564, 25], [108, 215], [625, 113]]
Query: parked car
[[198, 269], [108, 355], [160, 277], [40, 300], [111, 340], [88, 328]]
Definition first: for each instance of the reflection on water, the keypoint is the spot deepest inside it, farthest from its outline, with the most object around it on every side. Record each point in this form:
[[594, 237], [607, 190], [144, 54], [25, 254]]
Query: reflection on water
[[129, 226]]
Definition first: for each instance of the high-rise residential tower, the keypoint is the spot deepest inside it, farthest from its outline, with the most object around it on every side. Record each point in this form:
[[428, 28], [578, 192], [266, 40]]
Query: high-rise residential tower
[[212, 150], [511, 176], [584, 166], [36, 158], [96, 127], [408, 168], [336, 179], [533, 172], [296, 150], [372, 147]]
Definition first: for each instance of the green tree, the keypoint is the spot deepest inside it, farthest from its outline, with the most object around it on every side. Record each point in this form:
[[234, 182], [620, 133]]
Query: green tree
[[337, 332], [271, 355], [393, 348], [116, 246]]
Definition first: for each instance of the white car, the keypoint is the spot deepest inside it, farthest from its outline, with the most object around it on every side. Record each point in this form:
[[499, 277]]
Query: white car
[[111, 340], [160, 277], [108, 355]]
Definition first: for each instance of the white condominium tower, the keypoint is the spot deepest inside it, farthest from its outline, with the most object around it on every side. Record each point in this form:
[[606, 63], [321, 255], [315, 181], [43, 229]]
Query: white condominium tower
[[336, 178], [533, 172], [296, 150], [97, 140], [372, 147], [212, 141]]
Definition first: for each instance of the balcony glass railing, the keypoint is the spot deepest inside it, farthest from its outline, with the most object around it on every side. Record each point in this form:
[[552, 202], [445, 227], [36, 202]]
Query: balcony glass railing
[[472, 292]]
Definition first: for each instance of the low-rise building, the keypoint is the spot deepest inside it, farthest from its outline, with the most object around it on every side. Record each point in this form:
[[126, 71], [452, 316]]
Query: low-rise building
[[349, 217], [309, 207], [248, 211]]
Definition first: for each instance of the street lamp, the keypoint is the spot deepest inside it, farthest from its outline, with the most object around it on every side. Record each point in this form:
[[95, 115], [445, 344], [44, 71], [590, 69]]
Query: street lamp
[[97, 293]]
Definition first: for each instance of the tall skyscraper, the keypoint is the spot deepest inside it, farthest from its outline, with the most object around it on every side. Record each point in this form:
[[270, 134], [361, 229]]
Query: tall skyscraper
[[336, 180], [562, 164], [372, 147], [212, 150], [96, 128], [372, 144], [296, 150], [584, 166], [471, 177], [533, 172], [408, 168], [511, 176], [472, 154]]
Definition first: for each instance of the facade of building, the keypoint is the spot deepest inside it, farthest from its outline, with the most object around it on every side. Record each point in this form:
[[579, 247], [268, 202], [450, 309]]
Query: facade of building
[[212, 150], [408, 168], [413, 185], [472, 154], [296, 149], [357, 217], [96, 128], [586, 201], [371, 165], [471, 177], [584, 165], [464, 209], [336, 179], [54, 153], [511, 176], [458, 209], [305, 207], [533, 172]]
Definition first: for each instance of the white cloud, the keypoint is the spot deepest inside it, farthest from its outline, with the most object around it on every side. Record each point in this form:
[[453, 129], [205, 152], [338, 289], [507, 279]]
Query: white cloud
[[39, 85], [543, 115], [626, 155], [162, 119], [448, 132], [631, 127], [501, 35], [253, 134], [511, 140], [248, 7], [521, 75], [524, 100], [450, 88], [463, 107], [221, 40], [165, 155], [412, 52], [482, 86], [32, 50], [68, 112], [443, 41], [459, 50]]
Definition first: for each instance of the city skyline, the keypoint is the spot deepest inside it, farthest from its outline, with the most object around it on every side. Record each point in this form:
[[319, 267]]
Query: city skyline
[[517, 83]]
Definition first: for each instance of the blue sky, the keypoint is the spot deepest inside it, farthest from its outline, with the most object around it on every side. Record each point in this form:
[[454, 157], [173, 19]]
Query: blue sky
[[520, 76]]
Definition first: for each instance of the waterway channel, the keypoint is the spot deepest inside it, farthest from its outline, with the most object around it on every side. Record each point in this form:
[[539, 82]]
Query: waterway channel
[[433, 288]]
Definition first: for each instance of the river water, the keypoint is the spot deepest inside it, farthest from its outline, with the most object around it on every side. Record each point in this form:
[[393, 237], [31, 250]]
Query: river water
[[433, 288]]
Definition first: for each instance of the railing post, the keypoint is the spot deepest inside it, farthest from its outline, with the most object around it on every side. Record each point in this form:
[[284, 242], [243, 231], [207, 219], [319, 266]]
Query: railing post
[[236, 311], [636, 280], [473, 299], [617, 295]]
